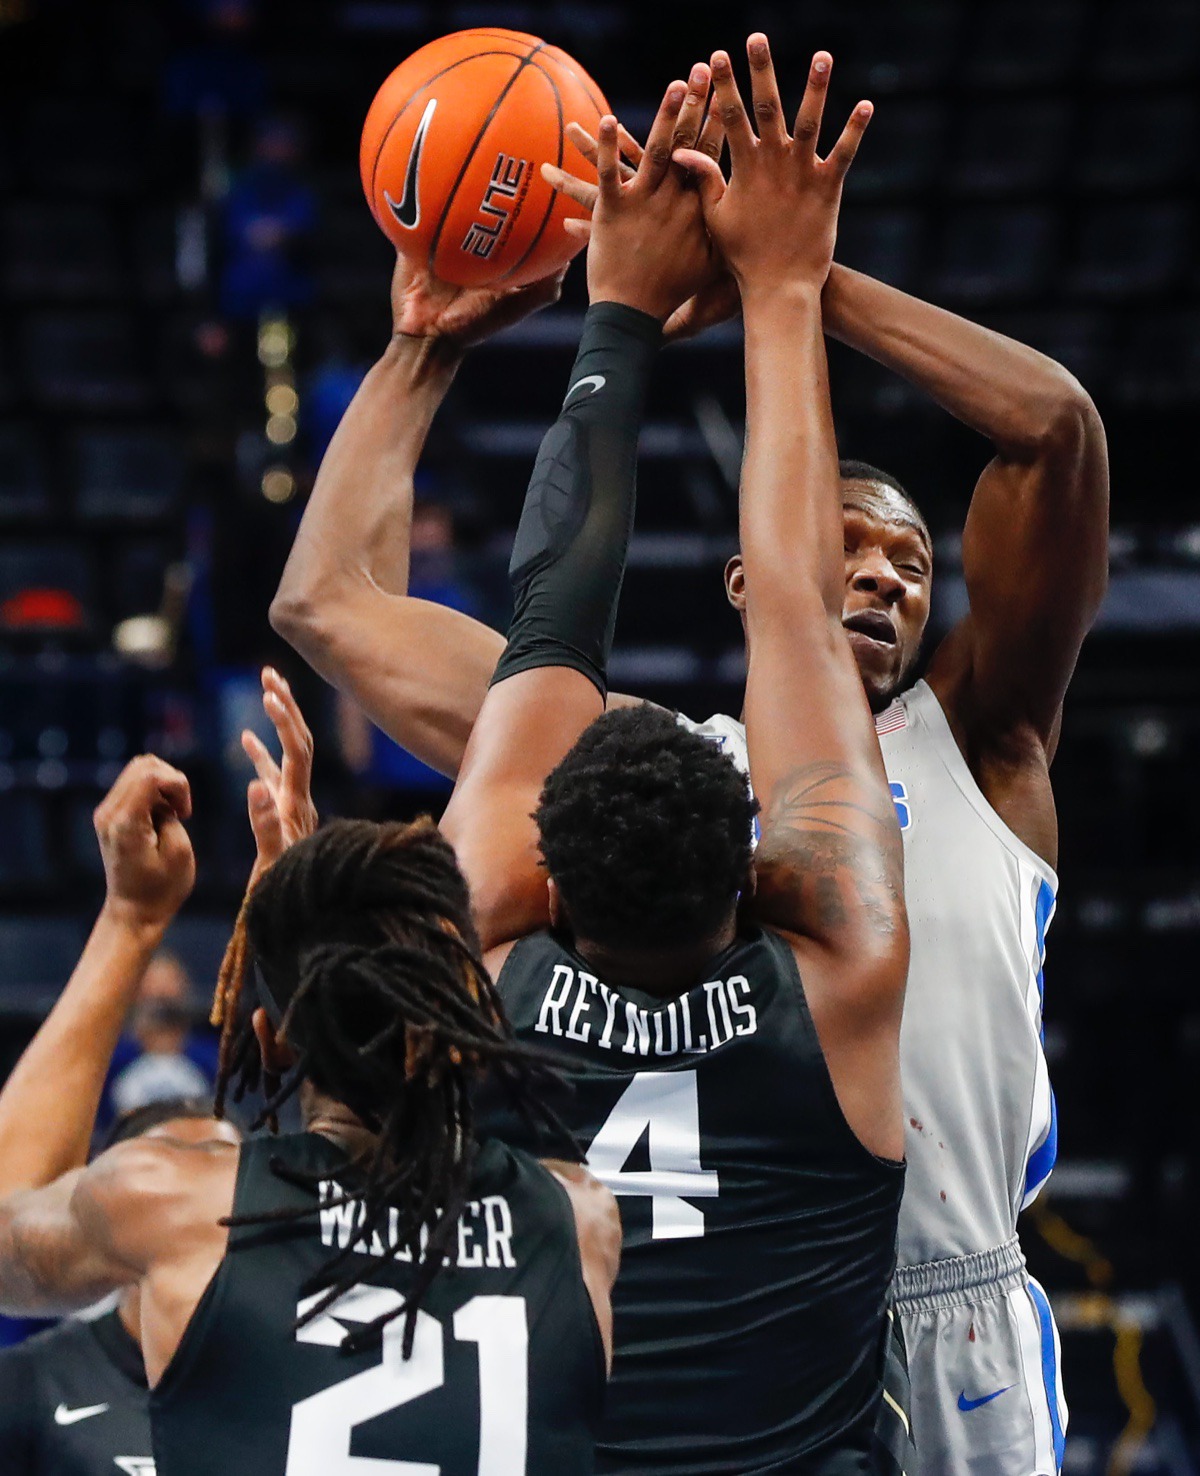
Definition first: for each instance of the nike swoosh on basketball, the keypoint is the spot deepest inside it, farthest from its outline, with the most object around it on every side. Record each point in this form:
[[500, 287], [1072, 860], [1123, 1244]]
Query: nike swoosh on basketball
[[594, 382], [408, 211], [65, 1416], [966, 1404]]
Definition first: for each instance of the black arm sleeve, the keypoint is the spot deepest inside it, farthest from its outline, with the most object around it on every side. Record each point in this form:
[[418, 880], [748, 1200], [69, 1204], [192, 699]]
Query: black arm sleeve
[[16, 1410], [568, 559]]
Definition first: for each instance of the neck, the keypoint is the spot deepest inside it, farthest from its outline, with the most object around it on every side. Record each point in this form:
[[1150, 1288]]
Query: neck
[[129, 1310], [334, 1120], [663, 972]]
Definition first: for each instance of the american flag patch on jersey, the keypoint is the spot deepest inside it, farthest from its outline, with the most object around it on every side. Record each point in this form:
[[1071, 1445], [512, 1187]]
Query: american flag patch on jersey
[[892, 718]]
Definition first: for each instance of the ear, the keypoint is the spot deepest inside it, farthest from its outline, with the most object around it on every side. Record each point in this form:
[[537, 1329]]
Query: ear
[[558, 911], [735, 583], [277, 1055]]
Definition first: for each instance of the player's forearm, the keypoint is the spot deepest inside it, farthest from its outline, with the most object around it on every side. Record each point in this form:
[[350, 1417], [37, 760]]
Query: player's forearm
[[355, 530], [566, 574], [49, 1102], [1022, 401], [790, 493]]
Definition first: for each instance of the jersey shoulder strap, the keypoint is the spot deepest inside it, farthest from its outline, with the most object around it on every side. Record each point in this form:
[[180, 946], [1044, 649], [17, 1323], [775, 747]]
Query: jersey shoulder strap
[[926, 724]]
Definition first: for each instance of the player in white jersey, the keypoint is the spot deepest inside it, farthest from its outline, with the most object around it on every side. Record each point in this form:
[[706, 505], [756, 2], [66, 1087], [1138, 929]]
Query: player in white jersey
[[967, 749]]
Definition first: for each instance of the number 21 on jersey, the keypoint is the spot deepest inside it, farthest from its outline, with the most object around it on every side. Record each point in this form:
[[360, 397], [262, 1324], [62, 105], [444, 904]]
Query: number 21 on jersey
[[323, 1424], [664, 1105]]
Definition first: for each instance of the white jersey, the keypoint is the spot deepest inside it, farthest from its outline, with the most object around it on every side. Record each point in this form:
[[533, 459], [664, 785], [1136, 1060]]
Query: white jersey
[[982, 1131]]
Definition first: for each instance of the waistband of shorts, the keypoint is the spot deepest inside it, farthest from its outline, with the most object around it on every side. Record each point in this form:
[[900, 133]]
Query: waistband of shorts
[[960, 1280]]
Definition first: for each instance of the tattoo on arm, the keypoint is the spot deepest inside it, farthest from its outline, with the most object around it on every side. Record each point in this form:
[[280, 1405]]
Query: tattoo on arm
[[831, 858]]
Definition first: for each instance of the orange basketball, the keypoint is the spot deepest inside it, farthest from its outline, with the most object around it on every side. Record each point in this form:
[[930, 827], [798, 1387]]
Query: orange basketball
[[452, 150]]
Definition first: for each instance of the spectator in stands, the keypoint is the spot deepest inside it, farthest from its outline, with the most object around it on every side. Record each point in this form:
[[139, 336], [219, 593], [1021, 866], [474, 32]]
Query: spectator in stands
[[266, 216], [162, 1055]]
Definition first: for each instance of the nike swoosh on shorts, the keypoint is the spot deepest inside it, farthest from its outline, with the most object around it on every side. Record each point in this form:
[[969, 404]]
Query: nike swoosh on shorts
[[408, 211], [966, 1404]]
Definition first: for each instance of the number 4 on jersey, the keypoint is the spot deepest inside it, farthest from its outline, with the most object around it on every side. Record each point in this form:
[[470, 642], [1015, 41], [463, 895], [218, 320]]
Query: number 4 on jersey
[[664, 1104]]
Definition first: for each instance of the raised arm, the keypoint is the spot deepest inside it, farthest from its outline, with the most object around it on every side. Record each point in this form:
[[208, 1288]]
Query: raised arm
[[151, 1206], [1035, 545], [417, 669], [568, 560], [829, 864], [48, 1104]]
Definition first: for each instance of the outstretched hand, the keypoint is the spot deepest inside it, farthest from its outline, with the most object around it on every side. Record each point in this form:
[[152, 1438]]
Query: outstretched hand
[[714, 301], [423, 306], [149, 865], [280, 799], [776, 219], [648, 246]]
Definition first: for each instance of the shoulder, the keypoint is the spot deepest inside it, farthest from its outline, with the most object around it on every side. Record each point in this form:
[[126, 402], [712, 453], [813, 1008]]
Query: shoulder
[[1007, 758], [535, 945], [143, 1192], [597, 1219]]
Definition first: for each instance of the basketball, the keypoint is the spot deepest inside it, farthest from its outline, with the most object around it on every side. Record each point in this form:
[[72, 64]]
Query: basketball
[[452, 150]]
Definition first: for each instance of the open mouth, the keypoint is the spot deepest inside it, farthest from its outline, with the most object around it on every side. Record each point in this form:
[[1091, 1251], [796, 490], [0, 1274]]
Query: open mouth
[[873, 624]]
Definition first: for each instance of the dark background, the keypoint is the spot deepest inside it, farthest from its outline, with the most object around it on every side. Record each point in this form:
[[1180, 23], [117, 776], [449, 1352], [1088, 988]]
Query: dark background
[[1031, 165]]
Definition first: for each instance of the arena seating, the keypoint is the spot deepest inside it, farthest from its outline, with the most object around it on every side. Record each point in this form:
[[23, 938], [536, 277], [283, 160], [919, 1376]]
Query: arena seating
[[1032, 165]]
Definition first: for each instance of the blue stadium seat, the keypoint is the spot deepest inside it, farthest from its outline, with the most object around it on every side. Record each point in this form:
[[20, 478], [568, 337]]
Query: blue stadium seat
[[137, 582], [83, 849], [23, 491], [7, 387], [1011, 146], [89, 145], [200, 943], [1024, 43], [1159, 364], [1147, 143], [132, 474], [85, 361], [61, 250], [154, 248], [883, 243], [1081, 341], [1149, 43], [24, 843], [38, 952], [351, 257], [904, 48], [995, 254], [1124, 252], [903, 158]]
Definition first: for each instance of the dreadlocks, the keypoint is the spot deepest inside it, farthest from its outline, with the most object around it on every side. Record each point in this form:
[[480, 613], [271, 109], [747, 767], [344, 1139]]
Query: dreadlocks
[[364, 938]]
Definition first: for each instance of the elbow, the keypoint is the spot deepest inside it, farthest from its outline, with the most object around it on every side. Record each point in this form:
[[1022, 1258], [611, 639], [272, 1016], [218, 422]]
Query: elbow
[[1067, 422], [300, 619]]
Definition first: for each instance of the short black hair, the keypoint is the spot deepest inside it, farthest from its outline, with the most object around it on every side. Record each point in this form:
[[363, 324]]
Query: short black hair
[[140, 1120], [863, 471], [645, 828]]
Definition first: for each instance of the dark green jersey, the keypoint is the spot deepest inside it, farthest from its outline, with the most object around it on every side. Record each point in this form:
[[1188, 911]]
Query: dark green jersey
[[506, 1376], [73, 1402], [759, 1233]]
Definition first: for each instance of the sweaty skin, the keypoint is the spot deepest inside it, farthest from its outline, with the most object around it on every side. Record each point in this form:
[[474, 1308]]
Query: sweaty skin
[[1035, 550]]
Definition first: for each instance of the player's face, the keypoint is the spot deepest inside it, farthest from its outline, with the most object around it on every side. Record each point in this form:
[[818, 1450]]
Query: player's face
[[889, 567]]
